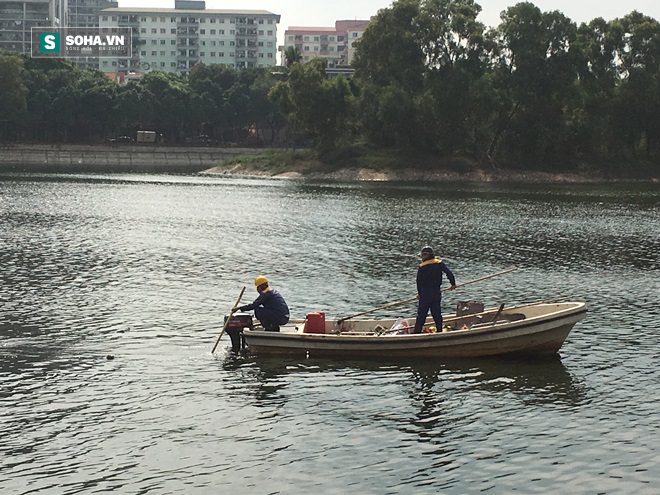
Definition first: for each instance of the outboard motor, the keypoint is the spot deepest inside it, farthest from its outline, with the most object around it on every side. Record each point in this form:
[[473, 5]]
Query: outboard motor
[[235, 327]]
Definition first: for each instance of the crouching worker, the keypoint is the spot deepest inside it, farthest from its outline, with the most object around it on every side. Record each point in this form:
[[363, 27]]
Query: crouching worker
[[269, 308]]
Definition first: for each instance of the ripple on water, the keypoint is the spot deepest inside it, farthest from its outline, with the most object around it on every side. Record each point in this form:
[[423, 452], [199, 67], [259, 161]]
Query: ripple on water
[[143, 269]]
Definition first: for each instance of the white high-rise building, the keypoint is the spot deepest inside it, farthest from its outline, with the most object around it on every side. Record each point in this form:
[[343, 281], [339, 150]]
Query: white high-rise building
[[174, 40]]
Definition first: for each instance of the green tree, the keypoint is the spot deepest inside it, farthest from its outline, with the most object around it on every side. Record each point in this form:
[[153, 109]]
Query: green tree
[[13, 94], [637, 100], [292, 55], [535, 70], [314, 104], [165, 100]]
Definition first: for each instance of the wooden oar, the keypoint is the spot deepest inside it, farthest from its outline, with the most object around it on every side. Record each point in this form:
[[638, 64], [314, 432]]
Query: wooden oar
[[231, 313], [403, 301]]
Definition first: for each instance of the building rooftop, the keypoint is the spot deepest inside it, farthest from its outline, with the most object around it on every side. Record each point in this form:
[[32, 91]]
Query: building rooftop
[[141, 10], [312, 28]]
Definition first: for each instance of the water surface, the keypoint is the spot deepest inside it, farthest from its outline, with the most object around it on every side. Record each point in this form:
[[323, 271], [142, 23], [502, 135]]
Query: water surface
[[143, 267]]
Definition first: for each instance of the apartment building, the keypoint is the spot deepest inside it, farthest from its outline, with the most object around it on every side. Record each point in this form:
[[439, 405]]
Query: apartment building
[[85, 14], [17, 18], [334, 44], [174, 40]]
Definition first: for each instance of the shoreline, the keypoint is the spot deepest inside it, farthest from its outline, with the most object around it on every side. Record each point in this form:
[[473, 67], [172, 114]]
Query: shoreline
[[261, 162], [304, 170]]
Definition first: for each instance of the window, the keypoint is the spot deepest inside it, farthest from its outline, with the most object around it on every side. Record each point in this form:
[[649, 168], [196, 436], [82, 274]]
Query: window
[[172, 53], [270, 55], [201, 54], [221, 54], [270, 33], [162, 53], [202, 31], [144, 54], [172, 64], [232, 31], [162, 42], [270, 21], [306, 38], [221, 43], [306, 48], [153, 42], [232, 43], [143, 30], [202, 20], [105, 18], [172, 42], [212, 20], [212, 31], [154, 19], [269, 44], [221, 31], [261, 55], [154, 53], [261, 21], [213, 43], [213, 54], [154, 30]]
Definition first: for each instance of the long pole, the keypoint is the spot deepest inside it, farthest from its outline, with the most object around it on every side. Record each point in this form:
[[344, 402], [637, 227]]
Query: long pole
[[231, 313], [403, 301]]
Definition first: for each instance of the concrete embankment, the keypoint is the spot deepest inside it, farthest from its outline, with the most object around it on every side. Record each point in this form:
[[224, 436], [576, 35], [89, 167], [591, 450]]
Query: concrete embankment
[[115, 158]]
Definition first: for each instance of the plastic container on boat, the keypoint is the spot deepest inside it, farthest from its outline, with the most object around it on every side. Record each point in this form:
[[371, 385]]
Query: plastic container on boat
[[315, 322]]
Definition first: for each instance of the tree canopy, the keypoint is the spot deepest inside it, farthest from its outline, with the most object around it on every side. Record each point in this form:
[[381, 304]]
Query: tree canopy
[[537, 90]]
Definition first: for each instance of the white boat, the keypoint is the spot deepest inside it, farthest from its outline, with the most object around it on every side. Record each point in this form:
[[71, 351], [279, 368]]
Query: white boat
[[530, 329]]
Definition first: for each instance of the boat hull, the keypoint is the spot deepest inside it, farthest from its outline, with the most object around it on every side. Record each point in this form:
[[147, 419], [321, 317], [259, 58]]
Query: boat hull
[[541, 334]]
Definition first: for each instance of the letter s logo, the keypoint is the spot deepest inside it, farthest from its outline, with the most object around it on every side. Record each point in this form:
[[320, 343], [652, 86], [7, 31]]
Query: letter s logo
[[49, 42]]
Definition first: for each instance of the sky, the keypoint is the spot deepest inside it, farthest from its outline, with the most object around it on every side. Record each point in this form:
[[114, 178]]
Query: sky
[[326, 12]]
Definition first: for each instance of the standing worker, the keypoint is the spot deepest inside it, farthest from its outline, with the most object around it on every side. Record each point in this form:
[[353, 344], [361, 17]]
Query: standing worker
[[269, 308], [429, 284]]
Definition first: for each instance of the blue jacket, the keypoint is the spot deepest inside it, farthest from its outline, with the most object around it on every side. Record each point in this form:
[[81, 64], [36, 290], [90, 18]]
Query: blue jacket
[[270, 299], [429, 277]]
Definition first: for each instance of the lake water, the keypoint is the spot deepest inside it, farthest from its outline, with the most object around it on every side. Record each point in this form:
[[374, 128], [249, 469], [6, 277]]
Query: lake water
[[143, 268]]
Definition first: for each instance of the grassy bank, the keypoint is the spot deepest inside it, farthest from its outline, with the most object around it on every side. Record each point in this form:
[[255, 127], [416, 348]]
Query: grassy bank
[[366, 164]]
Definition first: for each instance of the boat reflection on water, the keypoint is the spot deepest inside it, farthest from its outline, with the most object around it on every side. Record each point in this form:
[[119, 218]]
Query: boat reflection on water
[[537, 381], [545, 380]]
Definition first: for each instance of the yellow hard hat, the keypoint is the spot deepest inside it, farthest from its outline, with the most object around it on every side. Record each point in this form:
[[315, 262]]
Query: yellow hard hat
[[260, 280]]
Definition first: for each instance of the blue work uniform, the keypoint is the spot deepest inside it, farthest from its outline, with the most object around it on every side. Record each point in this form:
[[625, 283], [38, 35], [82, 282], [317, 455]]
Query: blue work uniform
[[270, 309], [429, 284]]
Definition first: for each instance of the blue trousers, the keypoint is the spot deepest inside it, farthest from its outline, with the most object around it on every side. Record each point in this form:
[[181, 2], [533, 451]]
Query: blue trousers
[[425, 303], [271, 320]]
